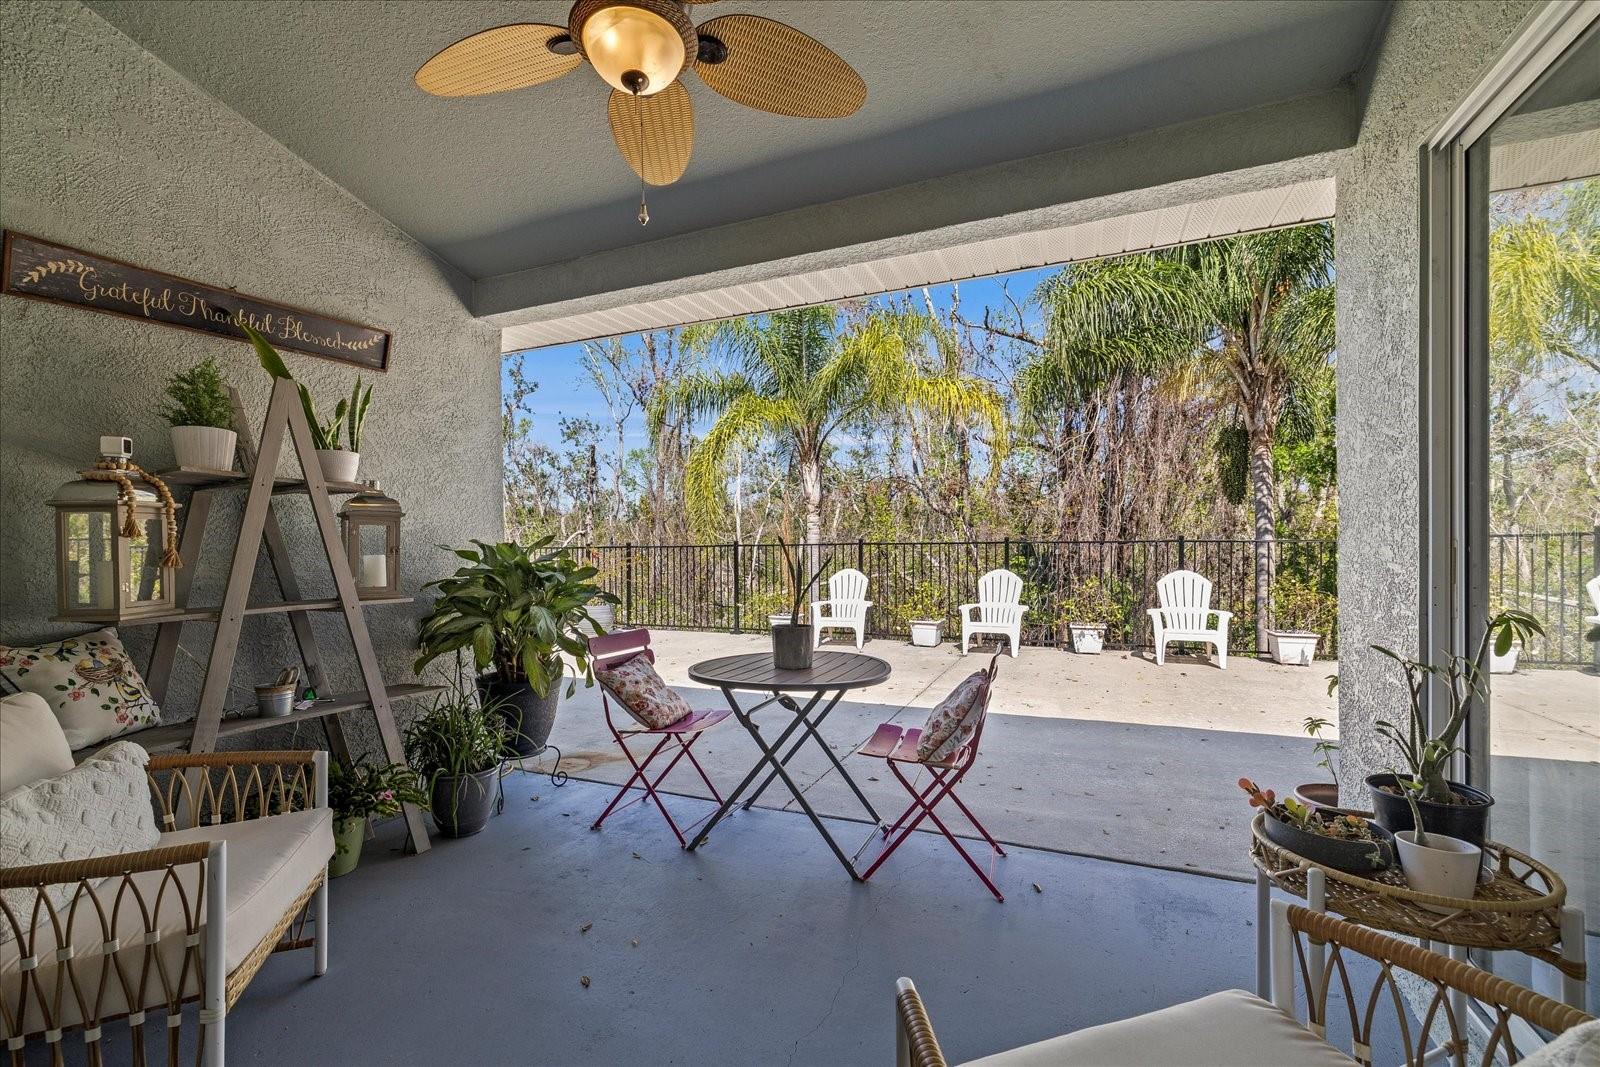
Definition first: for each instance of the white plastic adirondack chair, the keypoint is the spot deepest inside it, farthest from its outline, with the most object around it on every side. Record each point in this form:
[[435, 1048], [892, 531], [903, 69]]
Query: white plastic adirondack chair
[[845, 608], [997, 610], [1594, 597], [1185, 615]]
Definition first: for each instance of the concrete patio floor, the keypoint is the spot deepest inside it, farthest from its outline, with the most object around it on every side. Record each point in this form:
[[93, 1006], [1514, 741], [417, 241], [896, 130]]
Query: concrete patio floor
[[1116, 757], [756, 950]]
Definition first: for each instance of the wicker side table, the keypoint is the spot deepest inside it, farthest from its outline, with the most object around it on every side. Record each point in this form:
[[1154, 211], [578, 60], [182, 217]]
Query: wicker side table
[[1521, 908]]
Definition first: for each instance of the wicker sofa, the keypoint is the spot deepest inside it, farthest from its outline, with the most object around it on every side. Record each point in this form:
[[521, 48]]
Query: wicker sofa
[[1240, 1029], [238, 873]]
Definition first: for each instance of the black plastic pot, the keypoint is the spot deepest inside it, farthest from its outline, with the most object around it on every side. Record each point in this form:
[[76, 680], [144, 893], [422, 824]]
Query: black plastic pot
[[791, 646], [1352, 857], [461, 805], [1468, 822], [529, 715]]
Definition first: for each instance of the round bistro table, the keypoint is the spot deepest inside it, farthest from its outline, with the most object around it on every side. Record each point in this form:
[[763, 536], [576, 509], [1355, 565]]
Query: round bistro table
[[830, 676]]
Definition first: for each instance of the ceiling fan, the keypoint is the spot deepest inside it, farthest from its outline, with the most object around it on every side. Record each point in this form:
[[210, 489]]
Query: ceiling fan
[[641, 48]]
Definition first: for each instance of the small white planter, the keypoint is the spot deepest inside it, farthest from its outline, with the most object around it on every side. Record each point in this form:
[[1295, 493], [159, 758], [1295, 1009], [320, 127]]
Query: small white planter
[[1447, 867], [1087, 638], [778, 618], [204, 447], [1506, 664], [339, 465], [1296, 648], [927, 633]]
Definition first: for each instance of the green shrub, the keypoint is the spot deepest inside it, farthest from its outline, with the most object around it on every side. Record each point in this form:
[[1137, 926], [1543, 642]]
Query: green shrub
[[199, 397]]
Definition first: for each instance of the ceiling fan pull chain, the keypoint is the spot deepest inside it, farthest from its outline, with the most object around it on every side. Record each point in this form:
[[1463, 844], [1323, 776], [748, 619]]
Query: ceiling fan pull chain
[[644, 209]]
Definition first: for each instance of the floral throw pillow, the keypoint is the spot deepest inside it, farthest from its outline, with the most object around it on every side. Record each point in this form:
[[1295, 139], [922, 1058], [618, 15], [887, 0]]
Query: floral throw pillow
[[88, 681], [635, 683], [952, 720]]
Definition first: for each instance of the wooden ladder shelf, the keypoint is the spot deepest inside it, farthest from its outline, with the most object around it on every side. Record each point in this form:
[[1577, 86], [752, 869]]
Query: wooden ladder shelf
[[285, 419]]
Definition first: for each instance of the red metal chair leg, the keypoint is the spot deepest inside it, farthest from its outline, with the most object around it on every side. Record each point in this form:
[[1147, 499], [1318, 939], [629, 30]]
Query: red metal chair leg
[[638, 774], [924, 802]]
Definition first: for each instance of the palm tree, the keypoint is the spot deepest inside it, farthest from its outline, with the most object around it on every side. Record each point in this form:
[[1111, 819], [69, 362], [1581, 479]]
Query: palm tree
[[800, 377], [1256, 310]]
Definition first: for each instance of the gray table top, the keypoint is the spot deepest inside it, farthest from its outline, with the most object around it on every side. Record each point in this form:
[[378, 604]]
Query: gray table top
[[828, 671]]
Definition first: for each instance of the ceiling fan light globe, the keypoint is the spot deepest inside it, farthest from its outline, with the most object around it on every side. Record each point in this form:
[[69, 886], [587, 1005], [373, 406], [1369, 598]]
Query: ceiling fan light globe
[[622, 41]]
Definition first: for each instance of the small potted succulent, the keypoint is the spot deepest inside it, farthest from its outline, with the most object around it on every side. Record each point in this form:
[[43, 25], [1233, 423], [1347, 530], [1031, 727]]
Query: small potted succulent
[[1433, 863], [1447, 808], [457, 746], [1084, 615], [1334, 839], [925, 615], [792, 639], [359, 792], [1320, 794], [339, 464], [201, 417]]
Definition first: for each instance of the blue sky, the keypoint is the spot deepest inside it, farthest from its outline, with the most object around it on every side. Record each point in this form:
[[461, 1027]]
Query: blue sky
[[566, 391]]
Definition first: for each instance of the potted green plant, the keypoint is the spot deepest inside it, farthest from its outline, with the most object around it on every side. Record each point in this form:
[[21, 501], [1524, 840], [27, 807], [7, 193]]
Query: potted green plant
[[1339, 840], [457, 746], [1302, 608], [1084, 615], [1320, 794], [792, 640], [1448, 808], [359, 792], [201, 418], [338, 463], [518, 608], [925, 615], [1433, 863]]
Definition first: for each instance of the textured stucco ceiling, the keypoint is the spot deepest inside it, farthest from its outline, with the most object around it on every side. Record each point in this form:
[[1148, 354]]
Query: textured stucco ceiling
[[503, 183]]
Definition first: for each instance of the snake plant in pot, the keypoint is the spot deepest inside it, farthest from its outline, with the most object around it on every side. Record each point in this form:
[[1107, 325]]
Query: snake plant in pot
[[518, 608], [791, 640], [339, 464], [1445, 807]]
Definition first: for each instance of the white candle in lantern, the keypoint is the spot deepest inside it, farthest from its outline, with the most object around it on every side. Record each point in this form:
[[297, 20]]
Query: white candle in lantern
[[374, 571]]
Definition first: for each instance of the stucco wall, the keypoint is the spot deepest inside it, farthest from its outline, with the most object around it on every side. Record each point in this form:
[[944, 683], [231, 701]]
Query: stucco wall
[[107, 149], [1430, 56]]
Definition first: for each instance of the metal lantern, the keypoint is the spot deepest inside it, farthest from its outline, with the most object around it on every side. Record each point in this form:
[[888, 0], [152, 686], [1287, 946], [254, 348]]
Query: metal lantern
[[372, 541], [116, 556]]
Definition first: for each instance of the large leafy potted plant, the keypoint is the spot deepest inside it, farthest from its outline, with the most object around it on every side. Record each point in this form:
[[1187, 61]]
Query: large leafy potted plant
[[338, 463], [518, 608], [201, 417], [457, 746], [1448, 808], [358, 792]]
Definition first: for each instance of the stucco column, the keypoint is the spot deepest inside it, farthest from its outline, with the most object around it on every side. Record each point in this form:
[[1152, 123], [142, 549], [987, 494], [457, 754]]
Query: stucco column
[[1429, 56]]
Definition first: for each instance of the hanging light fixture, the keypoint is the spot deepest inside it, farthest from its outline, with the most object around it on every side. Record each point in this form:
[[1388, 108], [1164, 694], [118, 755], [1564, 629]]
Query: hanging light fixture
[[637, 46]]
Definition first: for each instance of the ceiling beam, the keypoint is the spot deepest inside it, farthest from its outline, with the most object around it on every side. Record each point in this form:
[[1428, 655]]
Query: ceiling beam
[[1291, 141]]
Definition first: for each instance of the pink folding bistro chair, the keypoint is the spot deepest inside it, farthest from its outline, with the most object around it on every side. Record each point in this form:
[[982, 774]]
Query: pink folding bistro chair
[[611, 651], [898, 747]]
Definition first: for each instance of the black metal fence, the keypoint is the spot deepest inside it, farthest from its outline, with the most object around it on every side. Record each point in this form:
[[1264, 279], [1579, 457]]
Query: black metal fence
[[1546, 574], [736, 587]]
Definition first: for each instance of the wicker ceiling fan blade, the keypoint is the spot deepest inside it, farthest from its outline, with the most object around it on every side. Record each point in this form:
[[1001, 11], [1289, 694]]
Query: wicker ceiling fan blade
[[655, 134], [772, 67], [497, 61]]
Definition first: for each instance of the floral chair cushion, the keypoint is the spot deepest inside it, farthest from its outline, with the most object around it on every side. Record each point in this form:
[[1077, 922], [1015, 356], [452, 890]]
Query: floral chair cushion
[[638, 688], [89, 682], [952, 720]]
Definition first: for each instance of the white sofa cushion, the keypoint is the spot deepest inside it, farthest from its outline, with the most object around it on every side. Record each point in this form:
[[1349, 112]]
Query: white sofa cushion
[[1232, 1028], [88, 680], [99, 808], [270, 862], [1578, 1047], [32, 744]]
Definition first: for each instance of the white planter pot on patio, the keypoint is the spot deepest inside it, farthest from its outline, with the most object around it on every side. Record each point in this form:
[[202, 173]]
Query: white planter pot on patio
[[927, 633], [1296, 648], [1506, 664], [1087, 638]]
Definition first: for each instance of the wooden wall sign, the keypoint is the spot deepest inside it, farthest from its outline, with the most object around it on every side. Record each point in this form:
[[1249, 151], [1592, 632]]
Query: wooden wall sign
[[43, 271]]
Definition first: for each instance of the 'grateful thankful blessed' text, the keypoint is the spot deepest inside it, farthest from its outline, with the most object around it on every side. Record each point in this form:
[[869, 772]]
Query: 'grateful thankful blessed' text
[[45, 271]]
